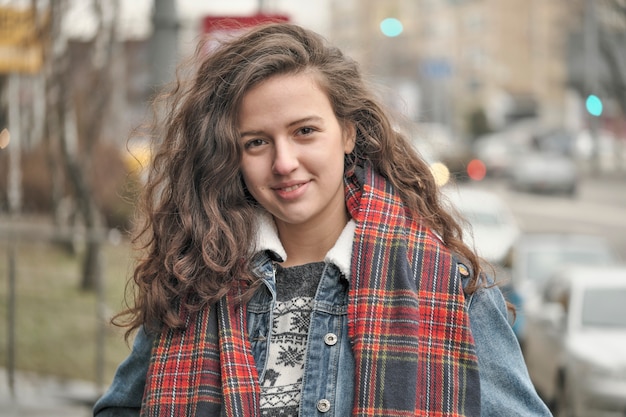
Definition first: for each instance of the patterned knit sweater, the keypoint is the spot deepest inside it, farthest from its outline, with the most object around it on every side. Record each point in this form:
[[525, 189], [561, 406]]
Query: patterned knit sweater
[[295, 290]]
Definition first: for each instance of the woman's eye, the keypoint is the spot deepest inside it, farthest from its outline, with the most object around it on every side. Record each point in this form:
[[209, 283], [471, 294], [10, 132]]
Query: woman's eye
[[306, 130], [254, 143]]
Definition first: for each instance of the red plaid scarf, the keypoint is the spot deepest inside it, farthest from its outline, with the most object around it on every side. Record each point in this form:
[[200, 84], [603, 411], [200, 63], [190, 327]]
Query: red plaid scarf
[[413, 348]]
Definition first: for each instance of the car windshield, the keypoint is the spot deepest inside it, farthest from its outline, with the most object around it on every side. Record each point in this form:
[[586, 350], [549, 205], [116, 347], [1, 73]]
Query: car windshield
[[604, 307], [483, 218], [542, 264]]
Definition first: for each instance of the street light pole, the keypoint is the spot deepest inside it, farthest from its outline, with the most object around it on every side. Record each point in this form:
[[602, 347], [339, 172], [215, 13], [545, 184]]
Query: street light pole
[[164, 45], [590, 39]]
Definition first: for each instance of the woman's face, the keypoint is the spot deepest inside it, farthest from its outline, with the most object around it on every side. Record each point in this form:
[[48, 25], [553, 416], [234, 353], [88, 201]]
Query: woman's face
[[293, 151]]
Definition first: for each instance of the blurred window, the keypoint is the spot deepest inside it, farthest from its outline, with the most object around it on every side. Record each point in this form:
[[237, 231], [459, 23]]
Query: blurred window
[[475, 21], [475, 57], [605, 307]]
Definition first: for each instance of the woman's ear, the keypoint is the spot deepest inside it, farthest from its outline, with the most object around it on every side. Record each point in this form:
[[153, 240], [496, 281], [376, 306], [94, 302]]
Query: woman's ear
[[349, 137]]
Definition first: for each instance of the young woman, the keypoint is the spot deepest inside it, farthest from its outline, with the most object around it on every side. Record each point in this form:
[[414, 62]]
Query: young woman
[[298, 260]]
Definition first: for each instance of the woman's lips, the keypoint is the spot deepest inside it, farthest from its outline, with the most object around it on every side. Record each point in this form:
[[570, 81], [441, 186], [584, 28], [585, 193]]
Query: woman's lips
[[290, 188], [290, 191]]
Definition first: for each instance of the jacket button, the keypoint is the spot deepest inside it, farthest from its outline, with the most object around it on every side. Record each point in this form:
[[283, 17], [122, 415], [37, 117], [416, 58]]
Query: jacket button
[[463, 270], [323, 406], [330, 339]]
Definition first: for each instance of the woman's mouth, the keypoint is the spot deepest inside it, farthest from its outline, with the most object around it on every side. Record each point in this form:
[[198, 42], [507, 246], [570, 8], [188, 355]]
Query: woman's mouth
[[290, 188], [290, 192]]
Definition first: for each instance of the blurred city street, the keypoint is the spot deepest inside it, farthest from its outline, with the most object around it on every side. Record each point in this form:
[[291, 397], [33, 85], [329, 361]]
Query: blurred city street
[[599, 208], [523, 99]]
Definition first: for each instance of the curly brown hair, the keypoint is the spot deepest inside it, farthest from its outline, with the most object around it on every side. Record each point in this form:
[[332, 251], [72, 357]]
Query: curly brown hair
[[197, 215]]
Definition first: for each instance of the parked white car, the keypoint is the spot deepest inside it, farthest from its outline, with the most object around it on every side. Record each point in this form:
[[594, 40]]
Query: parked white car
[[541, 172], [492, 228], [536, 256], [576, 345]]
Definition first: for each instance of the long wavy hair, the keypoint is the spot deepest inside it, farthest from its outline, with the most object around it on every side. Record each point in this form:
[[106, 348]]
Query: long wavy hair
[[198, 219]]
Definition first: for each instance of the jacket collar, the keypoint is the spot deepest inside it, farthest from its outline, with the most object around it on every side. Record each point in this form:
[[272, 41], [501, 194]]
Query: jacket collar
[[267, 240]]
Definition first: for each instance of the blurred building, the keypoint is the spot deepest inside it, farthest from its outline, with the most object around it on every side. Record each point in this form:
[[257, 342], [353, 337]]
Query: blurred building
[[507, 59]]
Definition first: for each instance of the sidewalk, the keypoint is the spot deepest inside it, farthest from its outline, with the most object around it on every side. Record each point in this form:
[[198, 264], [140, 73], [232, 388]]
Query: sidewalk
[[39, 396]]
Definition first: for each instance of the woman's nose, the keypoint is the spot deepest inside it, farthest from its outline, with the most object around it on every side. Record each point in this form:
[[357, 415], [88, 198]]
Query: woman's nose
[[285, 158]]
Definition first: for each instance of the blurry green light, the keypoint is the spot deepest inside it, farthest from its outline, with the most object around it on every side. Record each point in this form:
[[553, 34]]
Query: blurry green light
[[391, 27], [594, 105]]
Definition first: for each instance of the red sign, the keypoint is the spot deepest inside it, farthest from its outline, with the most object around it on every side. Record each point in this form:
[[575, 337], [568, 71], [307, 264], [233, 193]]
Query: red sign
[[233, 23]]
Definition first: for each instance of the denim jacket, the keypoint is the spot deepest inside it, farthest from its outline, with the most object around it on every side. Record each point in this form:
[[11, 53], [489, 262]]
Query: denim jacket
[[328, 383]]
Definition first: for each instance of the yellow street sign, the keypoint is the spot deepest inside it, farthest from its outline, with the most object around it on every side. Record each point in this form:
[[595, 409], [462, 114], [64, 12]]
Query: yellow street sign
[[20, 47], [17, 26]]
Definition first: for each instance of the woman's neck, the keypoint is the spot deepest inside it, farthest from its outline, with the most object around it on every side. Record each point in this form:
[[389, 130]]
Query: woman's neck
[[310, 243]]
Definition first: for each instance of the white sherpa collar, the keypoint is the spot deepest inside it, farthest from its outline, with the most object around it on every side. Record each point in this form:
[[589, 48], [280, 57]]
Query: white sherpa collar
[[340, 254]]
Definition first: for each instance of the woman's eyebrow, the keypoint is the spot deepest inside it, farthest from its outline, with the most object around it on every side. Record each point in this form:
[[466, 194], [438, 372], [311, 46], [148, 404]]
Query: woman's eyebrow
[[307, 119], [251, 133]]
